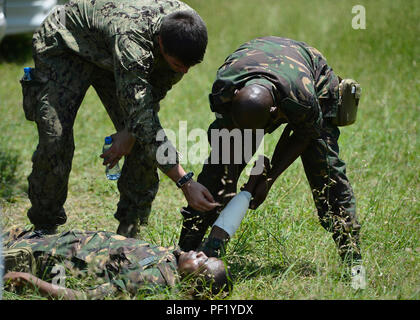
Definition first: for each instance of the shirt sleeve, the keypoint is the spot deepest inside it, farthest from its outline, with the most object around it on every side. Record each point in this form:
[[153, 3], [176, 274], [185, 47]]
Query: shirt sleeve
[[301, 107], [305, 120], [133, 61]]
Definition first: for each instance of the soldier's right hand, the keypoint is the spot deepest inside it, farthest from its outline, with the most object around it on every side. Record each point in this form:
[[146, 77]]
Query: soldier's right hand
[[123, 142], [260, 193], [198, 196]]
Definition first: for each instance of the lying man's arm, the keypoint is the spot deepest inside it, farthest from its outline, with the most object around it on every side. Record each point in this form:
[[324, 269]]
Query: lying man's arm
[[51, 290]]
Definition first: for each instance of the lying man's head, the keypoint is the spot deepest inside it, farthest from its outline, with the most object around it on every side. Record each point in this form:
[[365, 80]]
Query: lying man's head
[[251, 107], [183, 39], [211, 273]]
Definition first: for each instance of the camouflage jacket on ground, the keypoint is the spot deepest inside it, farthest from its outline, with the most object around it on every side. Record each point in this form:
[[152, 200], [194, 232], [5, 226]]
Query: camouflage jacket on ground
[[111, 262], [297, 76], [121, 37]]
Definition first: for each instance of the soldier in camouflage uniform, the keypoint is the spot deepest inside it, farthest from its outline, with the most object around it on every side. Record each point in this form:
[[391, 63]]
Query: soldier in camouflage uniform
[[265, 83], [115, 263], [132, 52]]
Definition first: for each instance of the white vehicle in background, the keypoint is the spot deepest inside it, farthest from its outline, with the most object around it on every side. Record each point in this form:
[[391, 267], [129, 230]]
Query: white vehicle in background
[[2, 20], [21, 16]]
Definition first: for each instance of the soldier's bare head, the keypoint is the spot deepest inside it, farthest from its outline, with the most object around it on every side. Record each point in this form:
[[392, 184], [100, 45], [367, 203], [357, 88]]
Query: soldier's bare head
[[183, 35], [251, 107], [209, 274]]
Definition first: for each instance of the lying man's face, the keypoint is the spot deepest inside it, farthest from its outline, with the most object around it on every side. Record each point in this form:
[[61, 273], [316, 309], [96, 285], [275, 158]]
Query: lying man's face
[[211, 271], [190, 262]]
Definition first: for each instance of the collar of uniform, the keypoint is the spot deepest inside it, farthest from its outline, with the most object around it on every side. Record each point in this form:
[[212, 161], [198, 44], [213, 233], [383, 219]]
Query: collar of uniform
[[177, 253]]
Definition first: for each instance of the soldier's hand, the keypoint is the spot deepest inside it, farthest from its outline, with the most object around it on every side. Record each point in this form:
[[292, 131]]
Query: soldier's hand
[[198, 196], [122, 143], [260, 193], [258, 173]]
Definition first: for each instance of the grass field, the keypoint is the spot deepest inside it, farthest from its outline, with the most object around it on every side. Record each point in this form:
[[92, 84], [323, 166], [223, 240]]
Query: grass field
[[280, 250]]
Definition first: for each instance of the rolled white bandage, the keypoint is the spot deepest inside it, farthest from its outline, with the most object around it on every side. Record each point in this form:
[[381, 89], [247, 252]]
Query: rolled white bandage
[[231, 216]]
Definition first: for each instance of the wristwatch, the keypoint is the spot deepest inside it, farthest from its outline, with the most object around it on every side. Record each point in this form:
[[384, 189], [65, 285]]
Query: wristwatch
[[184, 179]]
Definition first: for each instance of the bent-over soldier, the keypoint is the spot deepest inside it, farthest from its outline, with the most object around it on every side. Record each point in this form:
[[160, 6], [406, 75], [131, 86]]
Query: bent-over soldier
[[111, 262], [265, 83]]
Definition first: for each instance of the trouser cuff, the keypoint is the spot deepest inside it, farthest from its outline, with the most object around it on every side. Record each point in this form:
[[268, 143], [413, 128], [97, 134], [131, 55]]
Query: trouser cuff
[[125, 215], [194, 227], [47, 220]]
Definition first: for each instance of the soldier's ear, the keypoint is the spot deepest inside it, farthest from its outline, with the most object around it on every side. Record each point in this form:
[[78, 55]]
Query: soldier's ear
[[161, 47], [274, 111]]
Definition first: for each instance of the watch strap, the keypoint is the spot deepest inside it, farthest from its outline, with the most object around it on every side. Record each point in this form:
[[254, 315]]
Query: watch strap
[[184, 179]]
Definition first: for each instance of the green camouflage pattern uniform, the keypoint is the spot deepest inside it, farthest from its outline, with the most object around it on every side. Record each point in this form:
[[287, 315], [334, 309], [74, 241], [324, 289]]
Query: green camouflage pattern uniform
[[113, 46], [305, 89], [112, 263]]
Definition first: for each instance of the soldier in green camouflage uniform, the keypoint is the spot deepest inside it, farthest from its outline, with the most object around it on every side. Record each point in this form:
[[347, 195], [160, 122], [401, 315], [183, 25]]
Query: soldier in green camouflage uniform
[[114, 263], [303, 92], [117, 47]]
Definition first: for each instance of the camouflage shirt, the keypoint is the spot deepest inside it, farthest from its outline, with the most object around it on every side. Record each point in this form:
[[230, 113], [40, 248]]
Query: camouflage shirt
[[297, 76], [121, 37], [115, 263]]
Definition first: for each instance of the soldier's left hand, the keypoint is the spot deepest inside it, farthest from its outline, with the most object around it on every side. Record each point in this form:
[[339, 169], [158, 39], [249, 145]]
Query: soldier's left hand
[[260, 193], [122, 143]]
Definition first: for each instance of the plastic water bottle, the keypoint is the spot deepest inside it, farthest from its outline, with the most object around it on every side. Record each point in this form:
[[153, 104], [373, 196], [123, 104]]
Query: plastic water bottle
[[27, 74], [358, 277], [114, 173]]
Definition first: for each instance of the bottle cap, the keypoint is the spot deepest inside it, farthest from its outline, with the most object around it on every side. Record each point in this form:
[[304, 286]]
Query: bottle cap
[[27, 69], [108, 140]]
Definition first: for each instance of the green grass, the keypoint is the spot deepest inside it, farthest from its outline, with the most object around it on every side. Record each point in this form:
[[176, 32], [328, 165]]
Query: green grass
[[280, 250]]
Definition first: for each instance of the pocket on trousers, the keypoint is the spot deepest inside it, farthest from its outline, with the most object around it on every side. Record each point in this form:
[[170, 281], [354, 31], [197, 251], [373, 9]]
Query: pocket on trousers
[[31, 91]]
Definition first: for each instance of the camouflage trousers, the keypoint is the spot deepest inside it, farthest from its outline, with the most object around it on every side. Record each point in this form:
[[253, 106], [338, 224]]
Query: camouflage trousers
[[52, 100], [326, 174]]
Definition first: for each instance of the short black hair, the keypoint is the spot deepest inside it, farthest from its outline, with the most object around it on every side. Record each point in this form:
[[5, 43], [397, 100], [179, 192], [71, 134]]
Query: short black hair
[[215, 279], [251, 107], [184, 36]]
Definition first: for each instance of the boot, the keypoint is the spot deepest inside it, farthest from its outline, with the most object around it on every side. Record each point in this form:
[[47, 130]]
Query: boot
[[128, 229], [213, 247]]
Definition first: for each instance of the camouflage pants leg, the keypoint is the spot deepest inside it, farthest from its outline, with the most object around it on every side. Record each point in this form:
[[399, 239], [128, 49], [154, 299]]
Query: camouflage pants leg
[[221, 180], [139, 181], [332, 192], [65, 82]]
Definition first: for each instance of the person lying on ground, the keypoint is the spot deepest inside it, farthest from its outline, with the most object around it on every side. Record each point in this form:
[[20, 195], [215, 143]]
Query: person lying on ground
[[114, 263]]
